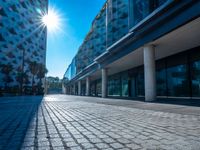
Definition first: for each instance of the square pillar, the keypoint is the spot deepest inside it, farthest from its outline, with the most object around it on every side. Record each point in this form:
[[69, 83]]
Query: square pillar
[[88, 86], [79, 88], [149, 73], [104, 82]]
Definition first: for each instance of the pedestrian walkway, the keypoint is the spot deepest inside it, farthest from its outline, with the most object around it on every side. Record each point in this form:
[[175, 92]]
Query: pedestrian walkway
[[71, 122], [15, 116]]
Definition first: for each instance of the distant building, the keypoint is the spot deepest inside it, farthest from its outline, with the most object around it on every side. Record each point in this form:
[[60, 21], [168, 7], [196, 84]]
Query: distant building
[[139, 49], [22, 46]]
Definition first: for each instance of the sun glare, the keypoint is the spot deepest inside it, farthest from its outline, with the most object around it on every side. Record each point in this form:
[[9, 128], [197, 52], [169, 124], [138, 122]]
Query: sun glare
[[51, 20]]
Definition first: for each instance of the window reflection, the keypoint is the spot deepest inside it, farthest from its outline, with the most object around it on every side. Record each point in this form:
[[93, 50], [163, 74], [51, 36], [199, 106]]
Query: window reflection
[[114, 88], [117, 20], [139, 9], [195, 73], [177, 81], [140, 82]]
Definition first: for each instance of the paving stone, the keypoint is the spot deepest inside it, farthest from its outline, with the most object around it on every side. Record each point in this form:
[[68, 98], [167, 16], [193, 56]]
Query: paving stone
[[116, 145], [87, 145], [71, 144], [102, 145], [90, 123]]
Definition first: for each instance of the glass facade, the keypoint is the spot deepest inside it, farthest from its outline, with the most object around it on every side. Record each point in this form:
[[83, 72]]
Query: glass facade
[[195, 77], [111, 24], [114, 86], [177, 81], [161, 78], [117, 20], [139, 9], [22, 46], [174, 77]]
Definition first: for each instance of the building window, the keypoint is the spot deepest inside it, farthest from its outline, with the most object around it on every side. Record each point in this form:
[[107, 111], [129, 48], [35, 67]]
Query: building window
[[140, 82], [161, 78], [195, 73], [178, 76], [177, 81], [114, 86], [139, 9], [117, 20]]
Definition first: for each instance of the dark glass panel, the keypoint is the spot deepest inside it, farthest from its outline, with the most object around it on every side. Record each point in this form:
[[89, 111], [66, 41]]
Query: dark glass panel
[[177, 81], [98, 88], [114, 86], [83, 89], [161, 78], [117, 20], [139, 9], [140, 82], [161, 82], [195, 77]]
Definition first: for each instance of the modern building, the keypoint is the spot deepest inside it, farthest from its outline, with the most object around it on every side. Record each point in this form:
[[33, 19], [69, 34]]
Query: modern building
[[22, 46], [139, 49]]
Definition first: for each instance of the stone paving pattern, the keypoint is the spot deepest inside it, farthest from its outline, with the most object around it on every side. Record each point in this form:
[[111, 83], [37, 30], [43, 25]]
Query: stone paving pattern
[[67, 122], [72, 122]]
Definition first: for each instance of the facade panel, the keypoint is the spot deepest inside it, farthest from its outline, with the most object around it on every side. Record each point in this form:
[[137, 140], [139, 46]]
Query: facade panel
[[22, 46]]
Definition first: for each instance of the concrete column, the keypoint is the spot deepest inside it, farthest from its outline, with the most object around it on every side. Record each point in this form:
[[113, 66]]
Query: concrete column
[[149, 73], [88, 86], [64, 91], [104, 82], [79, 88]]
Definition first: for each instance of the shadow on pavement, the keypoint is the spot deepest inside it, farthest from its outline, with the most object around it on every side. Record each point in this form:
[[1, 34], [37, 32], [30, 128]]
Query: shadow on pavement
[[174, 101], [15, 115]]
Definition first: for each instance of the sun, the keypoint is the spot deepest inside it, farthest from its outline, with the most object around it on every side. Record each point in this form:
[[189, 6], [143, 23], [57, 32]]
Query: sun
[[51, 20]]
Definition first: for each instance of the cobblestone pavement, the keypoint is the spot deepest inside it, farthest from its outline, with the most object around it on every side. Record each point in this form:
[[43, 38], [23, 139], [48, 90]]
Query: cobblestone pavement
[[67, 122]]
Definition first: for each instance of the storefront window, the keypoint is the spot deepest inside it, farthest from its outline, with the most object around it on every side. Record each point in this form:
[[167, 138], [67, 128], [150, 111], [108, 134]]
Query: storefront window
[[140, 82], [161, 81], [195, 75], [114, 86], [177, 81]]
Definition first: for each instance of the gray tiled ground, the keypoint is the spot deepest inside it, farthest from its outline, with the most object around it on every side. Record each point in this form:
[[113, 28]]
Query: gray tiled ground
[[67, 122]]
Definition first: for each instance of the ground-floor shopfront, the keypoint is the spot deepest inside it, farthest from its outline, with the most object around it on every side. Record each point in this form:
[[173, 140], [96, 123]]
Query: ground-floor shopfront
[[176, 76]]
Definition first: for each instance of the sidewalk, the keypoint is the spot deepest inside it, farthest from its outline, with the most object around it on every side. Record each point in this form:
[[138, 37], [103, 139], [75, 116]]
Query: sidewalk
[[71, 122]]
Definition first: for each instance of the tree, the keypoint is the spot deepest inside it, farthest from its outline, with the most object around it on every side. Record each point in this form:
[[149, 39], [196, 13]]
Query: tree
[[41, 74], [6, 70], [34, 70]]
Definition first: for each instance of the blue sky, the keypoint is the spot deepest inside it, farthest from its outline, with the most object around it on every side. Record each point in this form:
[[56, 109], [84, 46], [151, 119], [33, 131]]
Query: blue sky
[[77, 16]]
